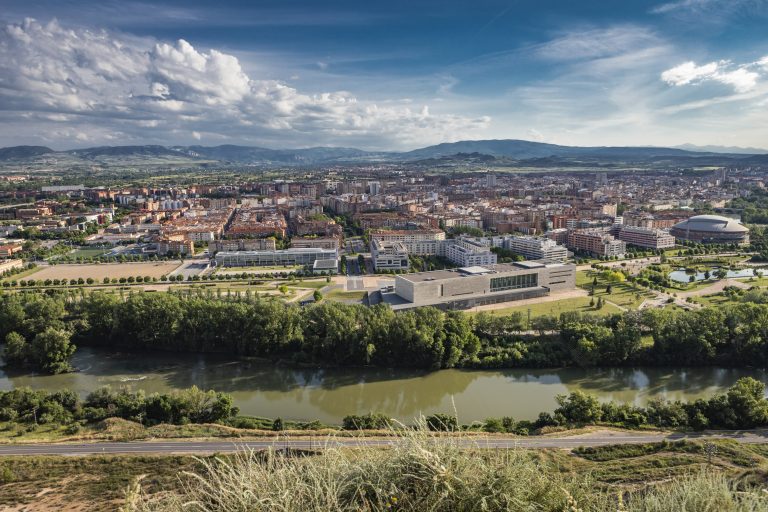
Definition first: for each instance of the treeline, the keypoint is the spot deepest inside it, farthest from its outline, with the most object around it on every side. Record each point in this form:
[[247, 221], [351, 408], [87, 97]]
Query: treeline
[[40, 330], [191, 405], [326, 333], [742, 406]]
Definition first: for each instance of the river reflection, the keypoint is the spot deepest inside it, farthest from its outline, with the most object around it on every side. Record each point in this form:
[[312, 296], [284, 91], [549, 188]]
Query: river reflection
[[330, 394]]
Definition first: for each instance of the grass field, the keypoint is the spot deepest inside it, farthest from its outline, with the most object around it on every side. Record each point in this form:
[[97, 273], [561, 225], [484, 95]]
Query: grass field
[[555, 308], [342, 296], [22, 275], [653, 477], [87, 252], [100, 271], [624, 294]]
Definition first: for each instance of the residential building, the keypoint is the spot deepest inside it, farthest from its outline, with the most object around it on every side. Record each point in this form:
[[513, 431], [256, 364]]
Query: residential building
[[280, 258], [242, 244], [389, 255], [646, 237], [596, 242], [8, 250], [467, 252], [536, 248], [421, 242]]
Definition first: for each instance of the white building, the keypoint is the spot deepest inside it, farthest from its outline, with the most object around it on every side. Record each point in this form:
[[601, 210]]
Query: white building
[[467, 252], [421, 242], [646, 237], [536, 248], [389, 255]]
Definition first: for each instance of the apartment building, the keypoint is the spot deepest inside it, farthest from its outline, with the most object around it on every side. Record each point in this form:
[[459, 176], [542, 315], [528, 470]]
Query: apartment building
[[175, 245], [535, 248], [280, 258], [242, 244], [596, 242], [467, 252], [8, 250], [421, 242], [646, 237], [389, 255], [316, 242]]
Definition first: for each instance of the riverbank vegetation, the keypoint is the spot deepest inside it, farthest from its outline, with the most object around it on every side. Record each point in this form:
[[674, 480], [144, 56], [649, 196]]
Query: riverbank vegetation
[[24, 412], [40, 330], [443, 474], [686, 475]]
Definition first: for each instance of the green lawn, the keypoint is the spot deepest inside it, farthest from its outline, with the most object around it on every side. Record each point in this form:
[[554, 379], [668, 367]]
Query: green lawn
[[315, 285], [342, 296], [22, 275], [624, 294], [555, 308], [86, 252]]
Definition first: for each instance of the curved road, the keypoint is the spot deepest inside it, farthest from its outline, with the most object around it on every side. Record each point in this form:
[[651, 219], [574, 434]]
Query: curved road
[[310, 443]]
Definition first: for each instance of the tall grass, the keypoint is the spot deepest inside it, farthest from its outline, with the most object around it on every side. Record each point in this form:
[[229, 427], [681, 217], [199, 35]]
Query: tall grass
[[425, 472]]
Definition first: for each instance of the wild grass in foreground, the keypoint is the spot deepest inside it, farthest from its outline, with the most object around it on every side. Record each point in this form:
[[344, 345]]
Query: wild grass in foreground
[[426, 472]]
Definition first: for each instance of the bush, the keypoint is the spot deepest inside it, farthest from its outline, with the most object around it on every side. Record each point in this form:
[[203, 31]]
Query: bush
[[442, 422]]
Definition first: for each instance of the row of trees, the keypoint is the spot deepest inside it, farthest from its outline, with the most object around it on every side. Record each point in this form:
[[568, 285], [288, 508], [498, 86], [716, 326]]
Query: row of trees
[[328, 333], [190, 405], [39, 329]]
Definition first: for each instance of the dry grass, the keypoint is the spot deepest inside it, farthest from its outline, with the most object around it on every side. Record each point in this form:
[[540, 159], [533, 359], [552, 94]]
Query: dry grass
[[99, 271]]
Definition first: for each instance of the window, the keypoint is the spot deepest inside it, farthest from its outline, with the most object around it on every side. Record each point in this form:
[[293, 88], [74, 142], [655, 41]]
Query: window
[[514, 282]]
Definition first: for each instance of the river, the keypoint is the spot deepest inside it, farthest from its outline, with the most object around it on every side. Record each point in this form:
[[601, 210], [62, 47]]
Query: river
[[330, 394]]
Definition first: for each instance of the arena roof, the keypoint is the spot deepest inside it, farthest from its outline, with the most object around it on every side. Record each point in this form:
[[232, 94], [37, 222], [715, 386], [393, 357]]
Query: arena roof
[[711, 223]]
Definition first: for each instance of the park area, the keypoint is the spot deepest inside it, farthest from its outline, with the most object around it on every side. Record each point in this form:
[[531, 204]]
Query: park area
[[98, 271]]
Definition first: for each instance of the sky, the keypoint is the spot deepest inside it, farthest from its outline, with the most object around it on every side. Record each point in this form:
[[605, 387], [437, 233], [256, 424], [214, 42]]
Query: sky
[[383, 75]]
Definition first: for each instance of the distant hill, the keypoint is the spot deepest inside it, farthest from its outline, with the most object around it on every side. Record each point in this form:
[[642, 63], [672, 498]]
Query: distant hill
[[468, 152], [118, 151], [523, 150], [252, 154], [20, 152], [724, 149]]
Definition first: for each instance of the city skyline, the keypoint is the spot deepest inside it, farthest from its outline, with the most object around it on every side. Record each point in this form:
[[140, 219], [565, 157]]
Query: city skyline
[[394, 77]]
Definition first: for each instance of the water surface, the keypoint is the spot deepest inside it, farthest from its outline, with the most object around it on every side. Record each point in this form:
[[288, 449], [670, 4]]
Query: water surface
[[330, 394]]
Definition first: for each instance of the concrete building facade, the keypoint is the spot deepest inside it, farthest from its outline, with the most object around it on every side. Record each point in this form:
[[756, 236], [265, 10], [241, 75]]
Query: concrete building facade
[[481, 285], [286, 257], [646, 237], [389, 255]]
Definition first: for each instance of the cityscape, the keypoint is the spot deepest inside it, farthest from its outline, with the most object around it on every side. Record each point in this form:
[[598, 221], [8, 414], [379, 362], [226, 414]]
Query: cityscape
[[282, 256]]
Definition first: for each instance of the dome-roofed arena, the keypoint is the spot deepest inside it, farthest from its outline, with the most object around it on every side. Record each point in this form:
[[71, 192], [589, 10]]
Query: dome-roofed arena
[[711, 229]]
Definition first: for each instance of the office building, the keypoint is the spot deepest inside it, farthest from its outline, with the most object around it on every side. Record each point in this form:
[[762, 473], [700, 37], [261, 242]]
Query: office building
[[481, 285], [279, 258], [389, 255], [646, 237]]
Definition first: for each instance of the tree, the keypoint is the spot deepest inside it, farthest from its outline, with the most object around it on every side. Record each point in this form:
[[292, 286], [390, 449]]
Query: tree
[[51, 350], [317, 296], [579, 408], [16, 349]]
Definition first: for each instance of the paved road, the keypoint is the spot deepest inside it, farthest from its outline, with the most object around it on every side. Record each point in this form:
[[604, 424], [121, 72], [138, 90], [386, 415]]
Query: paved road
[[201, 447]]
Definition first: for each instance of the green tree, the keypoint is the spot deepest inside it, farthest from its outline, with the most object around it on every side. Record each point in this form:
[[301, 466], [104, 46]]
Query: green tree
[[51, 350]]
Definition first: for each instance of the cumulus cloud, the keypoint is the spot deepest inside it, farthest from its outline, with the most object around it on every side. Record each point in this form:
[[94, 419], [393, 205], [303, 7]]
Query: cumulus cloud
[[115, 86], [742, 78]]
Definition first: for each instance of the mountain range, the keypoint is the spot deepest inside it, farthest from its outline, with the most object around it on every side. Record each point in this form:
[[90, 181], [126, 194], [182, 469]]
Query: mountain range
[[487, 152]]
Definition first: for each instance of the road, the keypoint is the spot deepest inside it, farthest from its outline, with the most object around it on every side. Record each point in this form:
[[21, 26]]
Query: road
[[202, 447]]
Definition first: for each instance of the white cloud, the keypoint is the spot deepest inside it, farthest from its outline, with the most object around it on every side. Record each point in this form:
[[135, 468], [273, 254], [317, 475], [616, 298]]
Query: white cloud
[[742, 79], [597, 43], [134, 89], [688, 72]]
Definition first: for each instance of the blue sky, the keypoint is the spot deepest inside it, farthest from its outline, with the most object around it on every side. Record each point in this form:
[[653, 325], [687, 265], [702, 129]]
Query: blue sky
[[384, 75]]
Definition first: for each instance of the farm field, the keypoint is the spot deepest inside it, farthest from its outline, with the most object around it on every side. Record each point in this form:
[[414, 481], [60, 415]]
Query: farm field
[[100, 271]]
